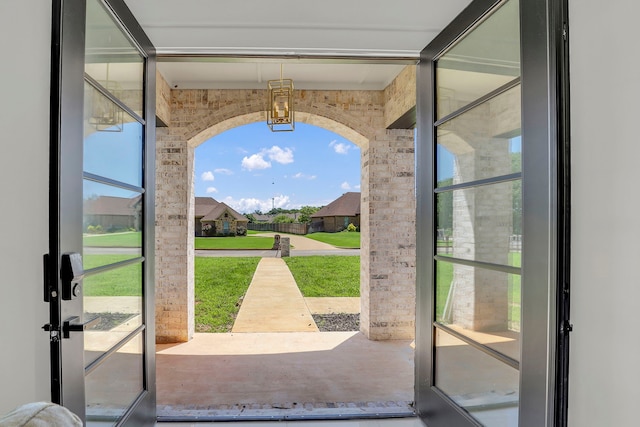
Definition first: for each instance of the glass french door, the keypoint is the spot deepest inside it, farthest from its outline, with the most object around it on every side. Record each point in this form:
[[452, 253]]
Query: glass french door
[[488, 220], [103, 119]]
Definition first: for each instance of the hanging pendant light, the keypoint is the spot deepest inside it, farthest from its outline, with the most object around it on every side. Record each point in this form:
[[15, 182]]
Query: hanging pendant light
[[280, 112], [105, 115]]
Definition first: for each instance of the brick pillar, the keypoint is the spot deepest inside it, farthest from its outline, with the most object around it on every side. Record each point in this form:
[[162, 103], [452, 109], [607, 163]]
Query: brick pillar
[[388, 256], [482, 222], [174, 241]]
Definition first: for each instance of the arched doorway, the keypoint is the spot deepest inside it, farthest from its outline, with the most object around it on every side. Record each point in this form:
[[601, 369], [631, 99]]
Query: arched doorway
[[387, 200]]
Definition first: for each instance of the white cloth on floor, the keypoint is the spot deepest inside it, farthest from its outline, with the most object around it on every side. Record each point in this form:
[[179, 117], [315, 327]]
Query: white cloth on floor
[[40, 414]]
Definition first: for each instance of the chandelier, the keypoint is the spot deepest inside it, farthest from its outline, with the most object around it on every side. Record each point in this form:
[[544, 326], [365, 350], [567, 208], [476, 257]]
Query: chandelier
[[280, 112]]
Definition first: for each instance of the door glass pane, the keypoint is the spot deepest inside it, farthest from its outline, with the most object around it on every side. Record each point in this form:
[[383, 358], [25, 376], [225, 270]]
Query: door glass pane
[[485, 59], [112, 224], [482, 385], [115, 297], [112, 140], [113, 386], [112, 59], [484, 142], [481, 304], [481, 223]]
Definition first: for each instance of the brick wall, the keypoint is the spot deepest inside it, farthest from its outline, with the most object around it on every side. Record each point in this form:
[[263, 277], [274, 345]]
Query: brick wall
[[388, 252]]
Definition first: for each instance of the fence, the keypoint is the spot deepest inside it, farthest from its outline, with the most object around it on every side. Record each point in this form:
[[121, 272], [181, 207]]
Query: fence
[[291, 228]]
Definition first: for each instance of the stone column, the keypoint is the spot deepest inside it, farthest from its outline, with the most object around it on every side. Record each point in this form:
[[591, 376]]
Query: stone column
[[285, 247], [174, 238], [482, 220], [387, 261]]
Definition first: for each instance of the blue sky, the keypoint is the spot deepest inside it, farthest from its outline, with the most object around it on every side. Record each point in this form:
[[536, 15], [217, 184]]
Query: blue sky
[[251, 168]]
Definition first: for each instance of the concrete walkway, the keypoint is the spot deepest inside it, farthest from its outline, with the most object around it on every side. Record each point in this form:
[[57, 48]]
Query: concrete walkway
[[273, 302]]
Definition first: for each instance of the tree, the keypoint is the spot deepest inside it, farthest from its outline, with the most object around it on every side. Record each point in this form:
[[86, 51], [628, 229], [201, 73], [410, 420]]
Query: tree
[[306, 212], [251, 218], [282, 219]]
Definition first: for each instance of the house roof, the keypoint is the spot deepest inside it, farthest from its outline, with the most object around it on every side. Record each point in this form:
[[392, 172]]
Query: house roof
[[219, 210], [204, 205], [109, 205], [346, 205]]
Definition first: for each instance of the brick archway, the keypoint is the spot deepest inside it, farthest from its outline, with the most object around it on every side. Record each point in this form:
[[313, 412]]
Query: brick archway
[[388, 200]]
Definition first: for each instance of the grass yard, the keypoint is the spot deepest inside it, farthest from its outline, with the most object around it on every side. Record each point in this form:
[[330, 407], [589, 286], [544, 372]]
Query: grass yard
[[131, 239], [242, 242], [220, 283], [343, 239], [326, 276], [123, 281]]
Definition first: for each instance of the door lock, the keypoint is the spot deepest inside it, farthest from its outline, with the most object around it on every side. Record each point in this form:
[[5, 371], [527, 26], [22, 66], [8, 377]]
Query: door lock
[[71, 274]]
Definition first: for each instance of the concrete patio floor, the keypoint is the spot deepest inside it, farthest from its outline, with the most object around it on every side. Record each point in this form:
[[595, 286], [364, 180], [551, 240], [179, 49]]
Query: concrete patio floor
[[227, 375], [275, 364]]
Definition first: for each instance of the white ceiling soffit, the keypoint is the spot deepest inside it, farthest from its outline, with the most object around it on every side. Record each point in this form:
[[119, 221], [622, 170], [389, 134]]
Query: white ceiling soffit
[[199, 75], [291, 29], [355, 27]]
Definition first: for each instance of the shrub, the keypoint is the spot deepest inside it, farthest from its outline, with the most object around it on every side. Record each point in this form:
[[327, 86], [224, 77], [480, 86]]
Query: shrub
[[352, 227], [91, 229], [241, 231]]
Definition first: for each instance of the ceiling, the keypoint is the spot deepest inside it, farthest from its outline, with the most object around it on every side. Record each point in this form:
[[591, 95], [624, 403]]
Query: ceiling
[[333, 44]]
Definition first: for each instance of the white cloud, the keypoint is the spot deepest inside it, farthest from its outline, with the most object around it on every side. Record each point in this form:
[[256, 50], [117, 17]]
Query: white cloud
[[255, 162], [212, 190], [340, 147], [301, 175], [357, 187], [345, 186], [207, 176], [279, 155], [248, 205], [223, 171]]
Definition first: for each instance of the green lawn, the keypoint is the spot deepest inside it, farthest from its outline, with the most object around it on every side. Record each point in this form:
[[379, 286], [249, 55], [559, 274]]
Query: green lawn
[[326, 276], [343, 239], [241, 242], [131, 239], [220, 283], [123, 281]]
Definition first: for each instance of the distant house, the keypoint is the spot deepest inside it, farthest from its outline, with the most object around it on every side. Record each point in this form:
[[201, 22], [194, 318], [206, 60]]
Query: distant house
[[213, 218], [113, 213], [337, 215], [203, 206]]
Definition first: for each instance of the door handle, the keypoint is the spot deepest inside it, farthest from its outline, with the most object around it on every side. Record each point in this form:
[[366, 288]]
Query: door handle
[[72, 325]]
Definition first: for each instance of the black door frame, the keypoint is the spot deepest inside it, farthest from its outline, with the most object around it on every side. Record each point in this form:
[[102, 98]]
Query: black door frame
[[546, 226], [65, 189]]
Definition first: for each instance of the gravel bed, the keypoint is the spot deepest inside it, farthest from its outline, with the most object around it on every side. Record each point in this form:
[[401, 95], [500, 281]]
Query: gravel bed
[[338, 322], [108, 320]]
